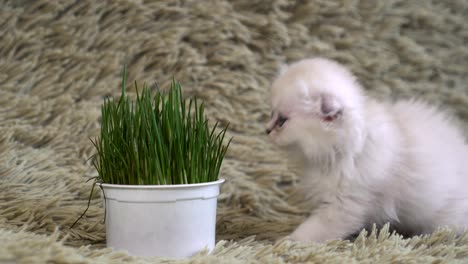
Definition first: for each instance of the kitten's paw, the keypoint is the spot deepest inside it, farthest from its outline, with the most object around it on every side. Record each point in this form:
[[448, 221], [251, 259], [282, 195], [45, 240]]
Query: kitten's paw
[[298, 236]]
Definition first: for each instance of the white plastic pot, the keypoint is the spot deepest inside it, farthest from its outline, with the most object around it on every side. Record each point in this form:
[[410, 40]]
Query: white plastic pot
[[173, 221]]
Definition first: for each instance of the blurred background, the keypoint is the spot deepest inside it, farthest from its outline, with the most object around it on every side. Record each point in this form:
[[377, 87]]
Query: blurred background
[[59, 59]]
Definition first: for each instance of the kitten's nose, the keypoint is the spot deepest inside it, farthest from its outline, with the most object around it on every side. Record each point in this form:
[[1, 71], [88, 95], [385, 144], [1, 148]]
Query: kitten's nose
[[271, 124]]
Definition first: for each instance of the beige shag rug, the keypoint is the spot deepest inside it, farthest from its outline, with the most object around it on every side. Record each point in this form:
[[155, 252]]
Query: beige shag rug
[[58, 59]]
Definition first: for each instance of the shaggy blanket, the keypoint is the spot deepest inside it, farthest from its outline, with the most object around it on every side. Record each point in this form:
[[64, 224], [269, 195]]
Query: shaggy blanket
[[58, 59]]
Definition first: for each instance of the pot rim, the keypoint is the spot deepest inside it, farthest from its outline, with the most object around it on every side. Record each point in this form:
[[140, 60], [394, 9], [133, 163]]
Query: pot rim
[[168, 186]]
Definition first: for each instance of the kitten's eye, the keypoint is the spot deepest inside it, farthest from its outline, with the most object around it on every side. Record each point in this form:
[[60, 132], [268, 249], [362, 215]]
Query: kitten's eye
[[281, 120]]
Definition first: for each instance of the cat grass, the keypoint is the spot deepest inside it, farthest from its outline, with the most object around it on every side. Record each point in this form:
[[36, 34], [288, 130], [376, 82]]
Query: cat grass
[[157, 140]]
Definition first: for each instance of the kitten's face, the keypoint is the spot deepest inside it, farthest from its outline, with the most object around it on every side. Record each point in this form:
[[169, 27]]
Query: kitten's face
[[312, 110], [301, 117]]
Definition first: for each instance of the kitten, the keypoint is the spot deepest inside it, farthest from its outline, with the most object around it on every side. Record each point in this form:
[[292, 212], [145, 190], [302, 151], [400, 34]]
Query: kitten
[[364, 161]]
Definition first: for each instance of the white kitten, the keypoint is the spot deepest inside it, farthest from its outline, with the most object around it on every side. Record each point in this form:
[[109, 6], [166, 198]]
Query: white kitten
[[367, 162]]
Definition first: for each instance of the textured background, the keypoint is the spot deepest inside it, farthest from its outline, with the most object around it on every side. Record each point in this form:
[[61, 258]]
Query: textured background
[[58, 59]]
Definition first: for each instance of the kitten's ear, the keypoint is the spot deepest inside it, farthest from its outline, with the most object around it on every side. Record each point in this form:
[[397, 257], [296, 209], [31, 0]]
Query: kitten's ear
[[330, 106]]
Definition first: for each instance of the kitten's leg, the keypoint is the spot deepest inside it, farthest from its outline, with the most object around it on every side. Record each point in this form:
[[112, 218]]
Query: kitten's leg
[[330, 222]]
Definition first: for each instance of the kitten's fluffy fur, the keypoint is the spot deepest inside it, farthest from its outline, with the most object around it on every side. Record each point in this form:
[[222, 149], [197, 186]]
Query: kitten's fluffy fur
[[367, 162]]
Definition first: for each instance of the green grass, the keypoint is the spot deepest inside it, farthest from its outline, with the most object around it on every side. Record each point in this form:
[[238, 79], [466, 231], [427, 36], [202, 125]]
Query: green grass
[[157, 140]]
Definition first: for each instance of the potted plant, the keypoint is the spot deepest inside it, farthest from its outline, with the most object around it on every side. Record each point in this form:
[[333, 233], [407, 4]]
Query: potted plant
[[158, 163]]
